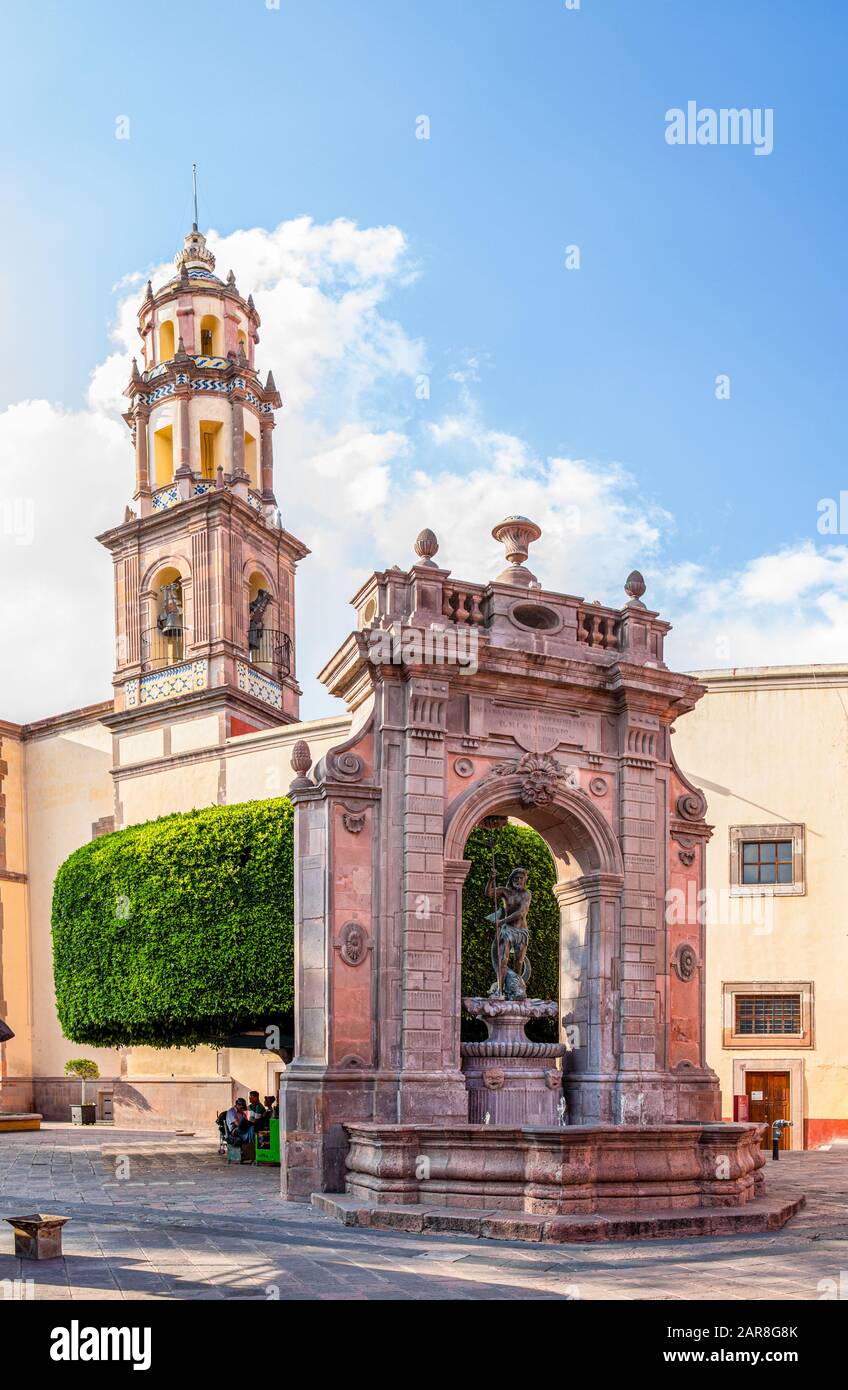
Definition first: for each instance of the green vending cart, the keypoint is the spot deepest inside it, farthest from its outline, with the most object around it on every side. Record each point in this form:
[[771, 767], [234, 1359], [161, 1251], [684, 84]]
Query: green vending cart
[[268, 1144]]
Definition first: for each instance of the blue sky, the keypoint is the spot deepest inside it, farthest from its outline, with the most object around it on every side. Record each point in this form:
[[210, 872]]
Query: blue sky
[[547, 129]]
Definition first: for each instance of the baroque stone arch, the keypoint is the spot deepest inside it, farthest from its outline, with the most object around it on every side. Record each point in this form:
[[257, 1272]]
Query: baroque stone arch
[[590, 883], [174, 561], [570, 823]]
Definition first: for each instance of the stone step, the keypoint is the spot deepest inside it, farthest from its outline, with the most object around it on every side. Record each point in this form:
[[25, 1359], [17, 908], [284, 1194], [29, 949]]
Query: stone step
[[762, 1214]]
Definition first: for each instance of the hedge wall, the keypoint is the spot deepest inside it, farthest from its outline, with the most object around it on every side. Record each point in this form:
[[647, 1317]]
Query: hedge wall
[[179, 931]]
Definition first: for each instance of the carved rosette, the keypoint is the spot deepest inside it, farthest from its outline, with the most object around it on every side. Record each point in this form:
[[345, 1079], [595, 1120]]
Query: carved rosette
[[353, 944], [685, 962]]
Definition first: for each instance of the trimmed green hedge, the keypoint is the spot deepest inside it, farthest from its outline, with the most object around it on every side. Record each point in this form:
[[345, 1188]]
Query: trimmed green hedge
[[179, 931]]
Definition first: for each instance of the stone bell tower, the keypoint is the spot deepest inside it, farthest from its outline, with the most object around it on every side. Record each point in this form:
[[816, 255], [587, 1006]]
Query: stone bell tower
[[204, 569]]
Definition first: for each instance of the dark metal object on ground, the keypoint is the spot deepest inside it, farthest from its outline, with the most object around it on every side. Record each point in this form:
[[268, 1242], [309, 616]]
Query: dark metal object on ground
[[38, 1236]]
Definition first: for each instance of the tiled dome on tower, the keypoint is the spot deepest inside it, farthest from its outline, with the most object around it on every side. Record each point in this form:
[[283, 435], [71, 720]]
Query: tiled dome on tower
[[204, 570]]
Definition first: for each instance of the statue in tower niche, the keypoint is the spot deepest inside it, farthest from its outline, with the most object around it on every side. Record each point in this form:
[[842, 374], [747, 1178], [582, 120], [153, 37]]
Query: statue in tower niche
[[512, 934], [258, 606], [170, 620]]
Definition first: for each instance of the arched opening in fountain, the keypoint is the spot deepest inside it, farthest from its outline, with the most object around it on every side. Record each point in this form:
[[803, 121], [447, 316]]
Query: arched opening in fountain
[[494, 848], [585, 881]]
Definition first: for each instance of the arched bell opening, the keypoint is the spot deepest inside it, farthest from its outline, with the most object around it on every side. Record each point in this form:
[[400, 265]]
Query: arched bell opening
[[269, 648], [164, 635], [211, 336], [167, 341]]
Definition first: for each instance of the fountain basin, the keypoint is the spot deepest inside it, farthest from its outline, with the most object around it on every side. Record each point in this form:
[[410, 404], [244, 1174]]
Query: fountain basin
[[553, 1171]]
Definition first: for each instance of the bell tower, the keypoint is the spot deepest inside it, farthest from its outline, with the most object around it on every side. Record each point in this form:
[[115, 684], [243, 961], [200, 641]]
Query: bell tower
[[204, 569]]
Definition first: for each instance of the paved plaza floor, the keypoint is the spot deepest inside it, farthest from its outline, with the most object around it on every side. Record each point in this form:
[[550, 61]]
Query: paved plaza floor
[[156, 1216]]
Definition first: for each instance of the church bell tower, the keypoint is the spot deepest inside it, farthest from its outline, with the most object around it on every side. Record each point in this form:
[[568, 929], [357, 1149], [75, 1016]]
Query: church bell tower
[[204, 569]]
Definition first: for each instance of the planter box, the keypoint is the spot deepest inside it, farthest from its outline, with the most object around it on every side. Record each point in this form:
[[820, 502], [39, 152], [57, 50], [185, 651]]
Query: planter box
[[84, 1114]]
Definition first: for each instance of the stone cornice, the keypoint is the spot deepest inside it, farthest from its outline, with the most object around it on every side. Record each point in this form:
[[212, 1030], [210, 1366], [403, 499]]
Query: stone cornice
[[739, 678], [177, 288], [163, 711], [73, 719], [614, 684], [214, 506], [181, 372]]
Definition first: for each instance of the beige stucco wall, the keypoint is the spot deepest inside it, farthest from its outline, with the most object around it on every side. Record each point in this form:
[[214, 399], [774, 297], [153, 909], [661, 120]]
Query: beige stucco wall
[[770, 746], [68, 788], [15, 951]]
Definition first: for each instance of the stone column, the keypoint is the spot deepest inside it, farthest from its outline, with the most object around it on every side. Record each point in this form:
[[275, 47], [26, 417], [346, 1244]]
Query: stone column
[[432, 1086], [238, 438], [455, 874], [334, 1075], [640, 1051], [590, 934], [182, 474], [185, 325], [301, 1128], [142, 446], [267, 457]]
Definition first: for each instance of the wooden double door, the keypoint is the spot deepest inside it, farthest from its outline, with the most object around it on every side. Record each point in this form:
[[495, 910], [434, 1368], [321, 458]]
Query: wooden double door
[[768, 1100]]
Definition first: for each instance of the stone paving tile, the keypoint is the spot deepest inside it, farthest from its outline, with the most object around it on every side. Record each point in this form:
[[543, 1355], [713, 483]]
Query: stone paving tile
[[186, 1225]]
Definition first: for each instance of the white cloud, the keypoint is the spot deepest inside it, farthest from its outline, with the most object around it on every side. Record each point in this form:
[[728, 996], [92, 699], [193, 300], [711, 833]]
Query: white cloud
[[361, 467], [781, 609]]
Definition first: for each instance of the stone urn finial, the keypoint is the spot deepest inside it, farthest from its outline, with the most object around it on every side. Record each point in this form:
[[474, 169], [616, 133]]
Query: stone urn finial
[[517, 534], [634, 588], [301, 761], [426, 546]]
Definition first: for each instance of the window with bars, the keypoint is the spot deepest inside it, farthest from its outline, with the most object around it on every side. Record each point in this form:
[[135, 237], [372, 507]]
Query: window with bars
[[767, 861], [768, 1014]]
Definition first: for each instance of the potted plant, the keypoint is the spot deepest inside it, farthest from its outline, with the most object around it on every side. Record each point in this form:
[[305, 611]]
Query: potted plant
[[86, 1070]]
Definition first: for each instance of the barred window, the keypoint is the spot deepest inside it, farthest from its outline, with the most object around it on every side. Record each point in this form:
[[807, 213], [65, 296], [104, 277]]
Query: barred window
[[768, 1014], [767, 861]]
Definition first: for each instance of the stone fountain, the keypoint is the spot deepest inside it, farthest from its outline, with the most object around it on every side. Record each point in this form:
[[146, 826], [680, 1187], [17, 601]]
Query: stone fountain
[[559, 713]]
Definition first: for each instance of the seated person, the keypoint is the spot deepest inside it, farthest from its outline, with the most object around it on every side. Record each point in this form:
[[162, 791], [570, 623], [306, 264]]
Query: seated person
[[272, 1107], [239, 1126], [256, 1112]]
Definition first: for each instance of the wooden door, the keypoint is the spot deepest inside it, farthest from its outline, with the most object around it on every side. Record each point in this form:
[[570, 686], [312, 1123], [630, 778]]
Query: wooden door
[[768, 1100]]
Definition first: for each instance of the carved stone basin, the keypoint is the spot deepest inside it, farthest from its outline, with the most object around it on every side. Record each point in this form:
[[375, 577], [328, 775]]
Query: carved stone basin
[[556, 1171]]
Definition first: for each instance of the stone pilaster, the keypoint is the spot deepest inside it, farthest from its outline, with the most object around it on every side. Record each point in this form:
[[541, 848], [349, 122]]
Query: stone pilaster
[[590, 937], [266, 446]]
